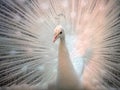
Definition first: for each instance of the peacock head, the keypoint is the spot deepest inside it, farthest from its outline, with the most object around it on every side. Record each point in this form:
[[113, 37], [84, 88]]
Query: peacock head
[[58, 33]]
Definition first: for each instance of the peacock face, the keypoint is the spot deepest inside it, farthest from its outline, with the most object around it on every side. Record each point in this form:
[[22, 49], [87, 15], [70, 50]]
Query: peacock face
[[58, 33]]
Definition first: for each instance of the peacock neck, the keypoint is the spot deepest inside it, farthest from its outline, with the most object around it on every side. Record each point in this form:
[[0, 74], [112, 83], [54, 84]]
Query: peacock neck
[[66, 73]]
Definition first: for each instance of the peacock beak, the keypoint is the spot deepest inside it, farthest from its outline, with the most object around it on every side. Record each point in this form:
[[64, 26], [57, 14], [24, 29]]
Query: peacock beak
[[55, 38]]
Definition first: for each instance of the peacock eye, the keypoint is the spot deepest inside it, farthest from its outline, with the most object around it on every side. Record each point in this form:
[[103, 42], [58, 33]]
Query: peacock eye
[[61, 32]]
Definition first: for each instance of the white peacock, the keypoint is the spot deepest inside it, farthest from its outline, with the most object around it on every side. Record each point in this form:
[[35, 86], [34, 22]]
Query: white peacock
[[86, 56]]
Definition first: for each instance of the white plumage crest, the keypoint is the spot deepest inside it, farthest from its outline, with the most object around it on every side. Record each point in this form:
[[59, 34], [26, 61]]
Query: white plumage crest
[[58, 27]]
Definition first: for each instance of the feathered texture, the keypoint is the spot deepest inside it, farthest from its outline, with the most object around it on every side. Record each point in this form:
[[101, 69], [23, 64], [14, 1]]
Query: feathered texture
[[28, 56]]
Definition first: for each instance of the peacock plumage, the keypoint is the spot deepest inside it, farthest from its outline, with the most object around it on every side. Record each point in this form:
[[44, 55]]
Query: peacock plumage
[[29, 58]]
